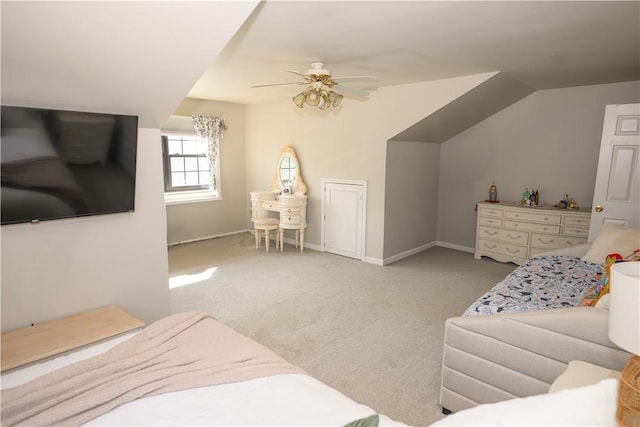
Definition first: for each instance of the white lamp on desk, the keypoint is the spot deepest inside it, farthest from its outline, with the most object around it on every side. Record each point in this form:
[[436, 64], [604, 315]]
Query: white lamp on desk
[[624, 330]]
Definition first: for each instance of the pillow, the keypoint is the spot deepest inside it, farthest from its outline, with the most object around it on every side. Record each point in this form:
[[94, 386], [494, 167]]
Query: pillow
[[603, 302], [613, 238], [592, 298]]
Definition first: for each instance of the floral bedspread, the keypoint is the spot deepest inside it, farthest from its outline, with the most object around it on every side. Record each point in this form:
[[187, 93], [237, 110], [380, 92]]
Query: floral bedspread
[[541, 283]]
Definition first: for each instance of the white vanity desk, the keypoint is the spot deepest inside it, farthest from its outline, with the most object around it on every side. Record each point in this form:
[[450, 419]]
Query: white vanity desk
[[286, 200]]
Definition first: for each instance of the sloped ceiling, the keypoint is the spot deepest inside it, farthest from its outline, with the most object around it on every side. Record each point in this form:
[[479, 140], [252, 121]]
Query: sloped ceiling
[[542, 44], [126, 57], [481, 102]]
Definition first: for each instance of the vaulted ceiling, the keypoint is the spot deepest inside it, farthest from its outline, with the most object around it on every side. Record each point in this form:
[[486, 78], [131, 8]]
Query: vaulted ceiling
[[145, 57], [542, 44]]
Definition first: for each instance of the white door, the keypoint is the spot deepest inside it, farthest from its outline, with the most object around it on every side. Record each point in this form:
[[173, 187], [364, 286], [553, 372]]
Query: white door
[[343, 218], [616, 197]]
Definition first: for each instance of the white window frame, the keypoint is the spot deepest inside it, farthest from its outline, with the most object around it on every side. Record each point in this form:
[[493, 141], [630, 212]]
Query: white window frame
[[190, 196]]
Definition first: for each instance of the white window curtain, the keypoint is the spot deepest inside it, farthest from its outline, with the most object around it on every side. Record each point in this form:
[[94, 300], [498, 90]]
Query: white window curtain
[[210, 130]]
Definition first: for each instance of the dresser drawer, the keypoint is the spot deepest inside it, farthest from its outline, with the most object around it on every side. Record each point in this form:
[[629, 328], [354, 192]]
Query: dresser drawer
[[575, 231], [290, 219], [484, 220], [582, 221], [486, 211], [271, 205], [508, 236], [531, 226], [540, 217], [550, 241], [502, 248]]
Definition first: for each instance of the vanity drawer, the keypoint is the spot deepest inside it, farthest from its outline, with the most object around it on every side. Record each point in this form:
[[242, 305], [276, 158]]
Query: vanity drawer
[[271, 205], [486, 211], [290, 219], [503, 248], [510, 236], [490, 221], [549, 241], [530, 226], [290, 211], [575, 231]]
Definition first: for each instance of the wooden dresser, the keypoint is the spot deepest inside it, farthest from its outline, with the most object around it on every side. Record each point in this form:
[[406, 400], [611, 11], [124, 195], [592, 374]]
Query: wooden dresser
[[53, 338], [509, 232]]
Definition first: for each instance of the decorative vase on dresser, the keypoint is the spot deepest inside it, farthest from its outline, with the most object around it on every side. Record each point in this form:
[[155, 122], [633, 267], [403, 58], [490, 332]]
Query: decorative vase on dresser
[[509, 232]]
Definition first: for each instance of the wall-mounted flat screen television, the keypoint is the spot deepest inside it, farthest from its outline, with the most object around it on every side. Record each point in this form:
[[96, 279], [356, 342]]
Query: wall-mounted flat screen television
[[58, 164]]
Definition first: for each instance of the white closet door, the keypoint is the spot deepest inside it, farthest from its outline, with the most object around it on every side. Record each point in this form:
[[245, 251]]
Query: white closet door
[[343, 218], [616, 196]]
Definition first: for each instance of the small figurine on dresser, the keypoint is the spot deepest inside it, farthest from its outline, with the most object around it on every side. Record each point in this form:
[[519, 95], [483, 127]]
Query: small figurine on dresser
[[566, 203], [530, 197], [493, 194]]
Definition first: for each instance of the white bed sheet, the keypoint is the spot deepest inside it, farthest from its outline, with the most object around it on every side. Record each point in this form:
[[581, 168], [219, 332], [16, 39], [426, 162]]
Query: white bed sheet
[[284, 400]]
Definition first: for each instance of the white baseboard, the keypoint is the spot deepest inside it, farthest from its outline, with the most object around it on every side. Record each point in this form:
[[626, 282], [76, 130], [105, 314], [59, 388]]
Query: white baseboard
[[406, 254], [374, 261], [208, 237], [369, 260], [456, 247], [414, 251]]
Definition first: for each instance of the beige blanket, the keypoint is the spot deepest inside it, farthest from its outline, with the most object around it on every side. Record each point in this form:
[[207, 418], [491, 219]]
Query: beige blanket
[[178, 352]]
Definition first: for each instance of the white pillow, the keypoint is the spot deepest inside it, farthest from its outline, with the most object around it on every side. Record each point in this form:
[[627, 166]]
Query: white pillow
[[613, 239], [592, 405], [603, 302]]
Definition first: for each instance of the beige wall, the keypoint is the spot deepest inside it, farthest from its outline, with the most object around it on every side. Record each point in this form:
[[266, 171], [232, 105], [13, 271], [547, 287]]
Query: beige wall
[[57, 268], [411, 198], [549, 140], [347, 143], [193, 221]]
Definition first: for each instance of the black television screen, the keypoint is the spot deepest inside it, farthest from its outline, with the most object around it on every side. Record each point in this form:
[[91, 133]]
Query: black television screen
[[63, 164]]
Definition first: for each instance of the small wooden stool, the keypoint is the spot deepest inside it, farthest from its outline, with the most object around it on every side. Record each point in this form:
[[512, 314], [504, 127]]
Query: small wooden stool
[[266, 225]]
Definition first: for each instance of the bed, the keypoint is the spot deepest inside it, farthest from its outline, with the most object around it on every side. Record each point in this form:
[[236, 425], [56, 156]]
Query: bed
[[185, 369], [541, 283], [521, 335]]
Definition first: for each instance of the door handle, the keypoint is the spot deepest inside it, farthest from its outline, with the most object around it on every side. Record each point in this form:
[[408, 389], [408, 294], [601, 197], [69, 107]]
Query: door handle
[[598, 208]]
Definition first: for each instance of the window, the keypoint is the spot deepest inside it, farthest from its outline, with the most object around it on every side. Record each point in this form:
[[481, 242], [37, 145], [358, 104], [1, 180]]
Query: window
[[186, 165]]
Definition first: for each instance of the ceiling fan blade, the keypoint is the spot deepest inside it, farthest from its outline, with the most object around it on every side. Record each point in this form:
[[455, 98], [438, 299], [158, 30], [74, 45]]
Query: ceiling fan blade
[[351, 90], [355, 79], [278, 84], [297, 73]]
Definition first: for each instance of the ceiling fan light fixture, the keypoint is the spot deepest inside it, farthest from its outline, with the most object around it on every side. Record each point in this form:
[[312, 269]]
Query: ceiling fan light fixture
[[334, 98], [317, 97], [299, 99], [312, 97]]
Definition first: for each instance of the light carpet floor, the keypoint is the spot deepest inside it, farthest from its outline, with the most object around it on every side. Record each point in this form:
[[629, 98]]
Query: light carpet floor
[[373, 333]]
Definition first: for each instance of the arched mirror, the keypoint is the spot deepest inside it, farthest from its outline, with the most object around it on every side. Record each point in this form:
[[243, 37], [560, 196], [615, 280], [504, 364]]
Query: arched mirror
[[288, 178]]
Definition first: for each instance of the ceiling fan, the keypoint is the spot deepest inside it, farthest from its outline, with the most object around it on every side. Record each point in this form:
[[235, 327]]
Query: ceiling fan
[[321, 83]]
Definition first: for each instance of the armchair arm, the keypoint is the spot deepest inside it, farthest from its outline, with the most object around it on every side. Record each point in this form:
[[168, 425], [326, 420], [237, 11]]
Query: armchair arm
[[491, 358]]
